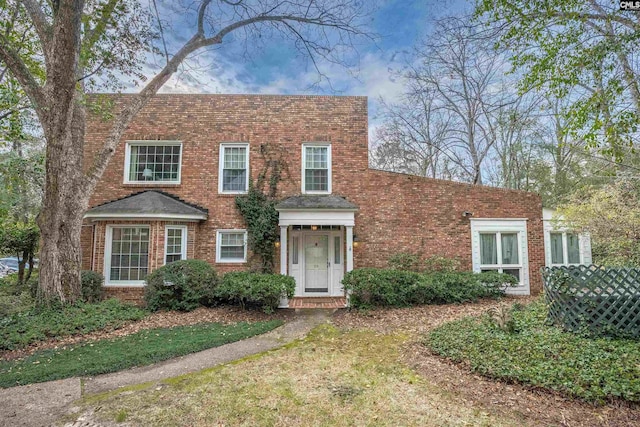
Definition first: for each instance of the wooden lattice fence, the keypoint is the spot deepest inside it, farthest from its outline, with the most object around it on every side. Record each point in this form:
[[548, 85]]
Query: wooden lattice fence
[[595, 300]]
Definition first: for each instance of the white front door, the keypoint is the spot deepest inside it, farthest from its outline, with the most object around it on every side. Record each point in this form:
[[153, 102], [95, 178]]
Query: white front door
[[316, 264]]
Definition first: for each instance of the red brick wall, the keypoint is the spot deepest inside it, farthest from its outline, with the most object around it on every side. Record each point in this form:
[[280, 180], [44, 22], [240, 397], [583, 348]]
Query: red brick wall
[[405, 213], [397, 212]]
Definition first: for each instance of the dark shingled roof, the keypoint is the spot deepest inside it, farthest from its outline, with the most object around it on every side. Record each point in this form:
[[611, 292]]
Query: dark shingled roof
[[149, 203], [316, 202]]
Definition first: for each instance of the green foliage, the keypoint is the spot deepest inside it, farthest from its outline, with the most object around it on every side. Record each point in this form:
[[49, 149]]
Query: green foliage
[[182, 285], [580, 51], [533, 353], [15, 298], [412, 262], [372, 287], [38, 324], [256, 289], [404, 261], [91, 283], [440, 264], [139, 349], [611, 215], [21, 239], [260, 214]]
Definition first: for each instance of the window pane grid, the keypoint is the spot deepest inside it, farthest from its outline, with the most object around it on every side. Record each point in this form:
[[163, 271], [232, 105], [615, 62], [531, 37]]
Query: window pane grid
[[129, 254], [573, 248], [232, 246], [154, 162], [316, 168], [174, 245], [234, 169]]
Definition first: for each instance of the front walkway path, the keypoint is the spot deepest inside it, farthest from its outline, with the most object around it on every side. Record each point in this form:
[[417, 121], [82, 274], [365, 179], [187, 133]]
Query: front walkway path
[[41, 404]]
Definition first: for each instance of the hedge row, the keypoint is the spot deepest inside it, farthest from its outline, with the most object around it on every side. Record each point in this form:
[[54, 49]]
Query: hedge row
[[371, 287], [189, 284]]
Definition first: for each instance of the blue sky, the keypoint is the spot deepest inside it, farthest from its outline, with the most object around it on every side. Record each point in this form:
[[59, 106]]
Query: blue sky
[[276, 68]]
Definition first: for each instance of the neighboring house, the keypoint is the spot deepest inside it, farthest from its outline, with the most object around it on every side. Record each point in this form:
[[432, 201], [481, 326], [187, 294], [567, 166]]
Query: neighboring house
[[169, 194], [562, 246]]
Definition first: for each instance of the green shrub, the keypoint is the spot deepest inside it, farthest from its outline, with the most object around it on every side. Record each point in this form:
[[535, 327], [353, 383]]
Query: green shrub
[[21, 329], [433, 264], [519, 346], [440, 264], [372, 287], [15, 298], [91, 283], [404, 261], [182, 285], [255, 289]]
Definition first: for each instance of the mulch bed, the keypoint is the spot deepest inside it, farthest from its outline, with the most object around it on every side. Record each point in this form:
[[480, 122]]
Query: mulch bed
[[534, 406], [163, 319]]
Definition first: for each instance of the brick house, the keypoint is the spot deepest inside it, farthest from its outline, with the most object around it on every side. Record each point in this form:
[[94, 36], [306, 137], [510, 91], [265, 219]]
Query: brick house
[[169, 193]]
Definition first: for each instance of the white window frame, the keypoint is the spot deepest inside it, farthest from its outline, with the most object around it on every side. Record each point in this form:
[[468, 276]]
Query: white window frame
[[500, 266], [223, 146], [499, 226], [108, 241], [219, 234], [183, 240], [326, 145], [565, 249], [138, 143]]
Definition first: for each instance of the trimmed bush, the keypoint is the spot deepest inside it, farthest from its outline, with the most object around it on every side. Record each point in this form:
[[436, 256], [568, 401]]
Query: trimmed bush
[[91, 283], [372, 287], [255, 289], [182, 285]]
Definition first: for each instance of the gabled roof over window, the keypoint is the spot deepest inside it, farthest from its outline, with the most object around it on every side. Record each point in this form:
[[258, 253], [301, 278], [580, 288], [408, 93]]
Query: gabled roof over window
[[149, 204], [316, 203]]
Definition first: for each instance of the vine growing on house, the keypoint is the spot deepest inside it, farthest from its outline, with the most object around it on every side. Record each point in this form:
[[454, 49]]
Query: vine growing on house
[[257, 207]]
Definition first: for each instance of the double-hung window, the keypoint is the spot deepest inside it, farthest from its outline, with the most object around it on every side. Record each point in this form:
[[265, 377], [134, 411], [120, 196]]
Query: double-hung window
[[175, 243], [316, 168], [127, 254], [231, 246], [233, 177], [153, 161], [500, 251], [565, 248]]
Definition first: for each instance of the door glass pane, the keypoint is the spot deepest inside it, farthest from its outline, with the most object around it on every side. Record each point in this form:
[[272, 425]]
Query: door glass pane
[[573, 248], [336, 249], [557, 255], [488, 249], [294, 250], [510, 248]]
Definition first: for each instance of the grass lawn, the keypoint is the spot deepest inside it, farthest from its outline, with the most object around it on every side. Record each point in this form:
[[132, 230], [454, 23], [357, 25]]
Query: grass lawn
[[594, 370], [142, 348], [331, 378], [20, 329]]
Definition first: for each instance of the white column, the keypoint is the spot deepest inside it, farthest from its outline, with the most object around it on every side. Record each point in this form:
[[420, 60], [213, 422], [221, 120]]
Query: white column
[[349, 247], [283, 250], [284, 301]]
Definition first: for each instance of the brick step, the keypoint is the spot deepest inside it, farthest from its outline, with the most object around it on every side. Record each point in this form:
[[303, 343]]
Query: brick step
[[318, 302]]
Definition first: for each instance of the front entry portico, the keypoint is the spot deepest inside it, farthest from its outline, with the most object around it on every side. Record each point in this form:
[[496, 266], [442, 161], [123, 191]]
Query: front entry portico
[[316, 243]]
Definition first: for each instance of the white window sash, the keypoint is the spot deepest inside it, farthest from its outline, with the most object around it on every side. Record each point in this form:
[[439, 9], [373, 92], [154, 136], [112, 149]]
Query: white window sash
[[108, 253], [127, 161], [183, 241], [221, 167], [500, 264], [304, 167], [219, 258]]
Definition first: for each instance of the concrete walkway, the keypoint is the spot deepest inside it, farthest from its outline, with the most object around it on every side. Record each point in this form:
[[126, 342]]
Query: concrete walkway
[[42, 404]]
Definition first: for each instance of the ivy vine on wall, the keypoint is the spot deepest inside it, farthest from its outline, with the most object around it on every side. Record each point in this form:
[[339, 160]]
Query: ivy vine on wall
[[257, 207]]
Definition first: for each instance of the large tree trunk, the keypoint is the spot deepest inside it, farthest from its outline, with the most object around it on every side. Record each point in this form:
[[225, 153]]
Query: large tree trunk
[[60, 220]]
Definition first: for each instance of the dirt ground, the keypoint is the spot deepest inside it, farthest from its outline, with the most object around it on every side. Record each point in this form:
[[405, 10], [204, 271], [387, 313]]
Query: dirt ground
[[534, 406]]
